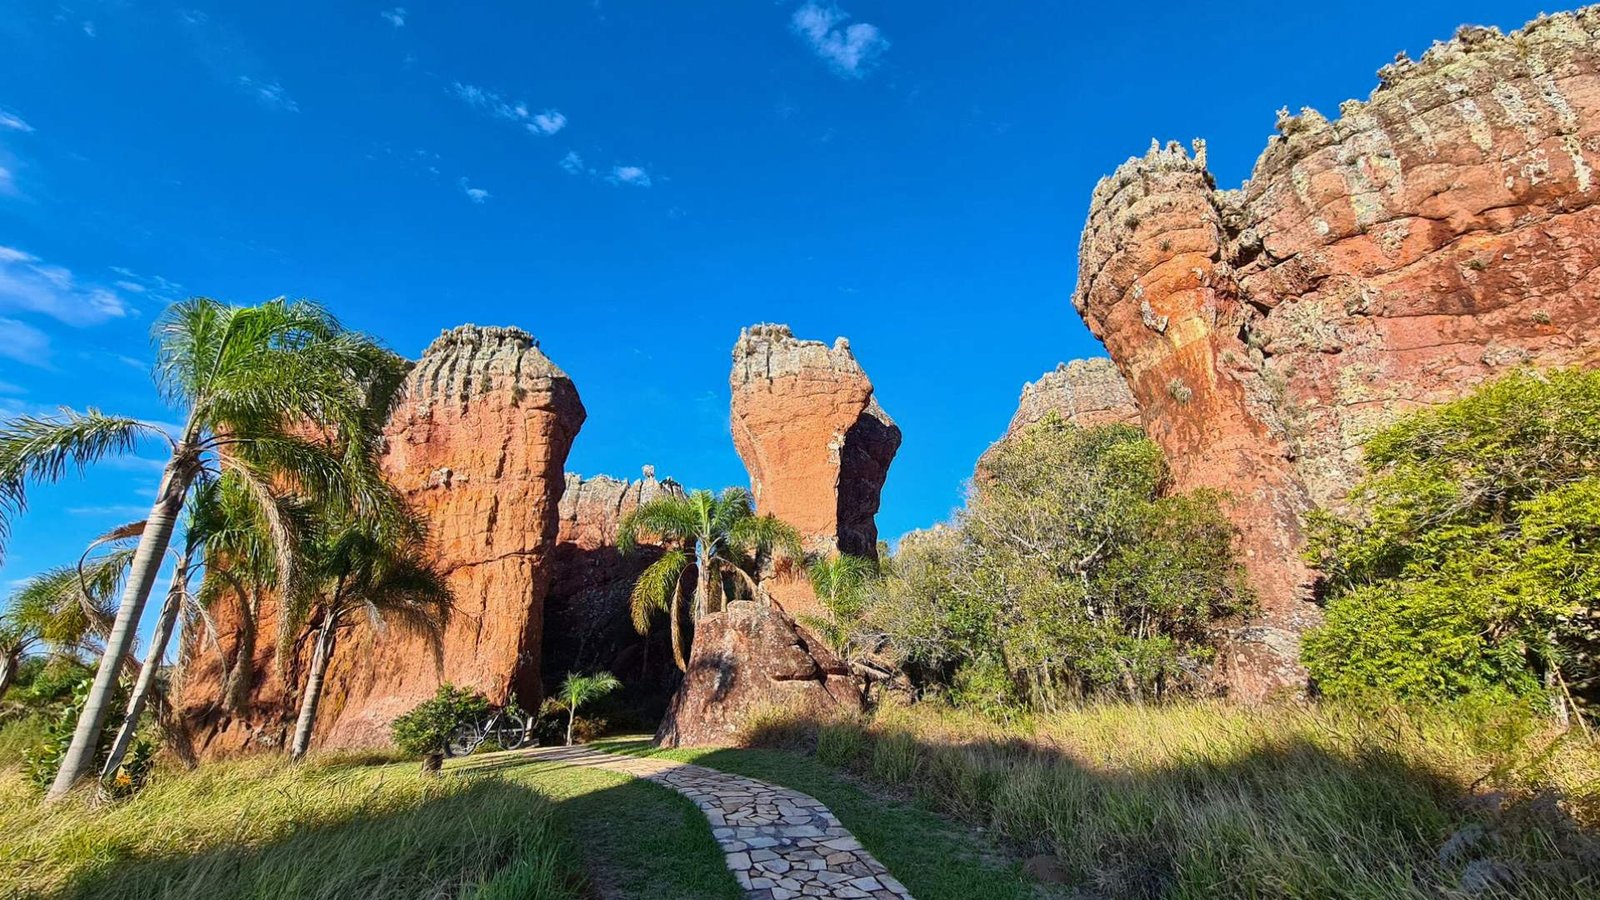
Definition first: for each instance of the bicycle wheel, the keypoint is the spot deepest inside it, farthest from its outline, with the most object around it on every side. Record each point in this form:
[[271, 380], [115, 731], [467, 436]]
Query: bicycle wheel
[[511, 733], [465, 739]]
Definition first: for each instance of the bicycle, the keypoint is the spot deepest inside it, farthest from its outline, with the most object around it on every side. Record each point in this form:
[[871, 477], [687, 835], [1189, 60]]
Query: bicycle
[[504, 728]]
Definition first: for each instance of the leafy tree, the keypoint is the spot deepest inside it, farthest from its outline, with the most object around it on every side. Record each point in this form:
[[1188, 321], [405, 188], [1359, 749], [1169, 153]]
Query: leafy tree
[[371, 564], [1070, 571], [426, 729], [1470, 562], [247, 382], [577, 690], [723, 536]]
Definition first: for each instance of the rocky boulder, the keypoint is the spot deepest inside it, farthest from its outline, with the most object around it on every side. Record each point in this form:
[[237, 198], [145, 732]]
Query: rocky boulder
[[1434, 236], [749, 657]]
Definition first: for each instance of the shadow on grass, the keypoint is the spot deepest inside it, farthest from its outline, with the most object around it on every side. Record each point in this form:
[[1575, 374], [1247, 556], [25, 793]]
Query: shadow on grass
[[635, 838], [492, 839], [1286, 817]]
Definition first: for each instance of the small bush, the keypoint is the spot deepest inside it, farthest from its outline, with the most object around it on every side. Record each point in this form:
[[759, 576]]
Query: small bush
[[425, 730]]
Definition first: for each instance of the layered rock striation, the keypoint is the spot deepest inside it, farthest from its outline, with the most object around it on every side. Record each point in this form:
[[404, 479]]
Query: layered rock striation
[[1432, 237], [817, 445], [477, 448]]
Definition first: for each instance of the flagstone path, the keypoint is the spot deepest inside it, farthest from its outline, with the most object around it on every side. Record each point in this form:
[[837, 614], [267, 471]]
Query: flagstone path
[[780, 844]]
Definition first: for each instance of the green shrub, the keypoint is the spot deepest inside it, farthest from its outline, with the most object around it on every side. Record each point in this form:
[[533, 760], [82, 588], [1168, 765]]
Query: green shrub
[[1471, 562], [1072, 571], [41, 761], [425, 731]]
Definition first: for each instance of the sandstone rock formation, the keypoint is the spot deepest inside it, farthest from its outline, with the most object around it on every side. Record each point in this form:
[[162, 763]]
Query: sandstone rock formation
[[1084, 392], [817, 445], [587, 622], [477, 448], [1434, 236], [751, 656]]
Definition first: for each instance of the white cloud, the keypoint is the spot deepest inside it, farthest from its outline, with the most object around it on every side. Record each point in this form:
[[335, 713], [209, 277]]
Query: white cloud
[[395, 17], [7, 387], [8, 185], [10, 121], [269, 94], [29, 284], [476, 195], [24, 343], [120, 511], [630, 175], [545, 123], [548, 122], [573, 163], [851, 51], [88, 29]]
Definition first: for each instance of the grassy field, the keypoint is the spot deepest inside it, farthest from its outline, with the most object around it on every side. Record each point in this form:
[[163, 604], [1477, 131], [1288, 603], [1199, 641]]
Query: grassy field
[[1208, 800], [353, 827]]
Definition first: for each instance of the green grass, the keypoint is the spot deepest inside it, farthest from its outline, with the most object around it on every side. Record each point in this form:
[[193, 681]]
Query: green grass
[[935, 859], [1208, 800], [635, 838], [491, 828]]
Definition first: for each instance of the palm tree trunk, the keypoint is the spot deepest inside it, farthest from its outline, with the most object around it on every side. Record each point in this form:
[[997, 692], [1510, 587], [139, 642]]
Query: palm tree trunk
[[8, 672], [572, 714], [241, 675], [147, 672], [676, 619], [141, 577], [308, 704]]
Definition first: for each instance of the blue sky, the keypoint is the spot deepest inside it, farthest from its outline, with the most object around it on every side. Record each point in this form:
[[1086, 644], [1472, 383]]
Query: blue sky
[[632, 182]]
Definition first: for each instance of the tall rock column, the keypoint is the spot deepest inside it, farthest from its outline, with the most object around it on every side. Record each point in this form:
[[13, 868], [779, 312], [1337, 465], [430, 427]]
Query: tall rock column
[[477, 448], [1154, 286], [817, 445]]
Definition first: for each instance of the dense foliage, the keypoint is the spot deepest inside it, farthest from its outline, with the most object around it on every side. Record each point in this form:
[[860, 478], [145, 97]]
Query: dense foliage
[[1071, 571], [1472, 561], [426, 729]]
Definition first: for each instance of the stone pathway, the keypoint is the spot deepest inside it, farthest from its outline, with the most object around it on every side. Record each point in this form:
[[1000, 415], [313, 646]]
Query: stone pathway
[[780, 844]]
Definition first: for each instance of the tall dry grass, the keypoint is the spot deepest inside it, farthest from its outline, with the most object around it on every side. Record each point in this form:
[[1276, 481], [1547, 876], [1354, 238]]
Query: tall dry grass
[[339, 827], [1211, 800]]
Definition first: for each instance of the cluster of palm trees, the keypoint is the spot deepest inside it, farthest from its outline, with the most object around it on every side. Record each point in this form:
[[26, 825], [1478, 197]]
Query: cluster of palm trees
[[271, 487]]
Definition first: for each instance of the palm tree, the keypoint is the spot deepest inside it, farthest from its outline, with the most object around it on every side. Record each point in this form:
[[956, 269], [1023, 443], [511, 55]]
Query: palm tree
[[577, 690], [248, 382], [838, 581], [64, 610], [355, 564], [724, 535]]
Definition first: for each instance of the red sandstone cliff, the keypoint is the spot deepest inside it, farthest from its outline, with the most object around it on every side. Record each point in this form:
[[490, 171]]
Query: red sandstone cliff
[[1431, 238], [477, 448], [817, 445]]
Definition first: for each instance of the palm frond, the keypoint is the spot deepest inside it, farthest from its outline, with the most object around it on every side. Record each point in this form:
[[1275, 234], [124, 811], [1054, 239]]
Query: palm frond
[[656, 587], [34, 449], [577, 690], [766, 534], [666, 517]]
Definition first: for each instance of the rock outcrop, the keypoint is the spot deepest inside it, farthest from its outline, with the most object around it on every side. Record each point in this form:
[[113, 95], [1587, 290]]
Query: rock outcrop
[[477, 448], [1432, 237], [748, 657], [1084, 392], [816, 443], [587, 621]]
